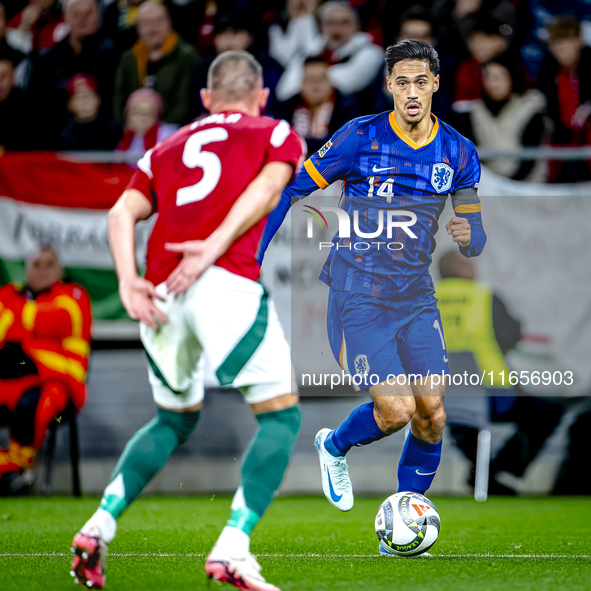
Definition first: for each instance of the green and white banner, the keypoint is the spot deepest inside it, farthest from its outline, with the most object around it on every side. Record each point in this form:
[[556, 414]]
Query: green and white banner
[[46, 199]]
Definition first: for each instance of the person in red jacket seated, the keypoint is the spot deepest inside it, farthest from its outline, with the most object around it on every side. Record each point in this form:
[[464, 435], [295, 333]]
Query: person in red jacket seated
[[45, 331]]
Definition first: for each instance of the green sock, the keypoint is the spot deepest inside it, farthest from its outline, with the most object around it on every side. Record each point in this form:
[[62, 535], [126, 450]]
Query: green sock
[[264, 465], [144, 455]]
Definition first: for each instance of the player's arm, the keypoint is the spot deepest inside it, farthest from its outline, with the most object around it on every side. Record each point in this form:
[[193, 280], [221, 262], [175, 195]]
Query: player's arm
[[259, 198], [465, 227], [331, 163], [303, 186], [137, 294]]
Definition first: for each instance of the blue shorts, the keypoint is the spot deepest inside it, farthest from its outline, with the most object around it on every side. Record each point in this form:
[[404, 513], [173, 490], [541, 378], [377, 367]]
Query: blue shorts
[[374, 339]]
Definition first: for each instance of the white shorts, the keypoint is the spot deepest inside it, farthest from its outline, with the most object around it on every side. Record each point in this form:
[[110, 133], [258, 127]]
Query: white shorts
[[227, 321]]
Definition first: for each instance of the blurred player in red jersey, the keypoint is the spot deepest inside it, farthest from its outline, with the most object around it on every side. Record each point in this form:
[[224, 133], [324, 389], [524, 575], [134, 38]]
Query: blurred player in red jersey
[[213, 184], [44, 347]]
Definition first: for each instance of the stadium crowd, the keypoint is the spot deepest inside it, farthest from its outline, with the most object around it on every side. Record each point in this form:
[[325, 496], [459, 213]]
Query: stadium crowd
[[124, 74]]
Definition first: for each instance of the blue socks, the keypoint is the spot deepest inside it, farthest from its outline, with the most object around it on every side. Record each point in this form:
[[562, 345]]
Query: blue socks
[[419, 459], [359, 428], [418, 464]]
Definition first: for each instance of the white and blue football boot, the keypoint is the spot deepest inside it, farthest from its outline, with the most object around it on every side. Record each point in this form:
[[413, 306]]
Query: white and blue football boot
[[336, 483]]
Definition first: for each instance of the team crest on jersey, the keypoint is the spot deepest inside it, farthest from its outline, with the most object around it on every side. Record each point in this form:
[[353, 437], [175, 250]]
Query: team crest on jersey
[[441, 177], [361, 365], [324, 148]]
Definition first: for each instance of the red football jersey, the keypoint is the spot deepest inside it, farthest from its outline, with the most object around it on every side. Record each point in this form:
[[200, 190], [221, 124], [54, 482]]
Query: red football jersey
[[194, 177]]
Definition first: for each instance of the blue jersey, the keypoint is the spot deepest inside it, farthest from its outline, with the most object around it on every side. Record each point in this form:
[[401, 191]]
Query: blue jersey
[[388, 177]]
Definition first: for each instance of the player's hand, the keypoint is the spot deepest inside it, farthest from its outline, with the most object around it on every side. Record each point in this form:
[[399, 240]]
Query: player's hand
[[198, 255], [30, 16], [300, 8], [138, 297], [459, 230], [581, 115]]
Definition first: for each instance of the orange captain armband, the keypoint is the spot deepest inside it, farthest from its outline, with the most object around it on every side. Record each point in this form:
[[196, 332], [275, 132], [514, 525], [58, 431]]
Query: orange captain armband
[[468, 208], [315, 175]]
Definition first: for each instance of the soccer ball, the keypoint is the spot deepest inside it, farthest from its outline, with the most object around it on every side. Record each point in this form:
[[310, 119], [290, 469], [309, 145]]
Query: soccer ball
[[407, 524]]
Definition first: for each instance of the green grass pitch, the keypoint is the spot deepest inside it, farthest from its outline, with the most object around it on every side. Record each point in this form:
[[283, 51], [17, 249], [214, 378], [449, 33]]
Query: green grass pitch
[[304, 544]]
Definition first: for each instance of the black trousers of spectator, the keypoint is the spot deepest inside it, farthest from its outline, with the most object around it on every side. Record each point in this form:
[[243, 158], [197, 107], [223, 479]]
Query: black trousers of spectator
[[21, 421], [573, 477], [536, 419]]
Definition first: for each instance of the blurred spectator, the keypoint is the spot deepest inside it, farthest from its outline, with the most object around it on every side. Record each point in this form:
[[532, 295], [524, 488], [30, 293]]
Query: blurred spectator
[[195, 21], [418, 23], [566, 81], [15, 118], [568, 479], [456, 19], [120, 22], [88, 128], [508, 117], [485, 43], [83, 51], [380, 18], [7, 49], [544, 11], [355, 61], [474, 319], [234, 31], [159, 60], [206, 29], [296, 32], [143, 125], [37, 26], [44, 350], [4, 44], [319, 110]]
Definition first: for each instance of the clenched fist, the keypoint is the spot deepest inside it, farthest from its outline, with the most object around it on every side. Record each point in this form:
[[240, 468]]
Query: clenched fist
[[459, 230]]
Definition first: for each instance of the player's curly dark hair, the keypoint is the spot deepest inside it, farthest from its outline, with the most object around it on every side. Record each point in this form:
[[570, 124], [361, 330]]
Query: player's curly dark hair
[[412, 49]]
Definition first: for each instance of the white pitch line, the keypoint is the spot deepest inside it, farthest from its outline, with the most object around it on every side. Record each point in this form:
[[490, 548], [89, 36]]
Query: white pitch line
[[165, 555]]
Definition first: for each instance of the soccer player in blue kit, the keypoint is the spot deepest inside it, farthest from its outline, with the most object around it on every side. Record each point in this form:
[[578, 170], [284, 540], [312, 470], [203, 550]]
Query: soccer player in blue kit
[[382, 313]]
